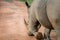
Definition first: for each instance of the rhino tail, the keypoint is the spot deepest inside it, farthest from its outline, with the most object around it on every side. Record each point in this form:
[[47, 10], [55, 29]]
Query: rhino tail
[[27, 4]]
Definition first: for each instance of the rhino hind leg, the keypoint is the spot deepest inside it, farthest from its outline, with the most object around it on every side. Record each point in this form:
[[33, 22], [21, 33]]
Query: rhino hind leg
[[47, 34]]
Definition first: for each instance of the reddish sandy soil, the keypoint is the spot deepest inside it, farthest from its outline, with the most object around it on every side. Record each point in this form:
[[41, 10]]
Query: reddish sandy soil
[[12, 26]]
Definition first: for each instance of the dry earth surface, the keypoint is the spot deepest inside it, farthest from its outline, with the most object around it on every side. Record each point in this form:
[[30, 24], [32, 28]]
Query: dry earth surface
[[12, 26]]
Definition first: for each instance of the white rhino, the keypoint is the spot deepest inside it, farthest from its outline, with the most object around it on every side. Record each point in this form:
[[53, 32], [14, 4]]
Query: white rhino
[[46, 13]]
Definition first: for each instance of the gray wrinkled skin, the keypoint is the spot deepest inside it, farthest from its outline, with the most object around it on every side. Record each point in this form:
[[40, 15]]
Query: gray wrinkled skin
[[46, 13]]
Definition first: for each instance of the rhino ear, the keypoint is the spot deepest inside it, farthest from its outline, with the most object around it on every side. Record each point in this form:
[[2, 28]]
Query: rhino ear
[[27, 4]]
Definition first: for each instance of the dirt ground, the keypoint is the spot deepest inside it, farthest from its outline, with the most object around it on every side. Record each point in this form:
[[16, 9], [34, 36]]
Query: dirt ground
[[12, 26]]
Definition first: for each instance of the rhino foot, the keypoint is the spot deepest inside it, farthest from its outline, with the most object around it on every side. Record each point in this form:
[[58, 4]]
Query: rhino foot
[[30, 34]]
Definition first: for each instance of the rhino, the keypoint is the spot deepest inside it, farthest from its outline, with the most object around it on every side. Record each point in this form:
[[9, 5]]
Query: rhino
[[46, 13]]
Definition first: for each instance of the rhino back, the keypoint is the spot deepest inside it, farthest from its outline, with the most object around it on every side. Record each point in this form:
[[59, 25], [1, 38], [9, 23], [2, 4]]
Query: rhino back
[[53, 11]]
